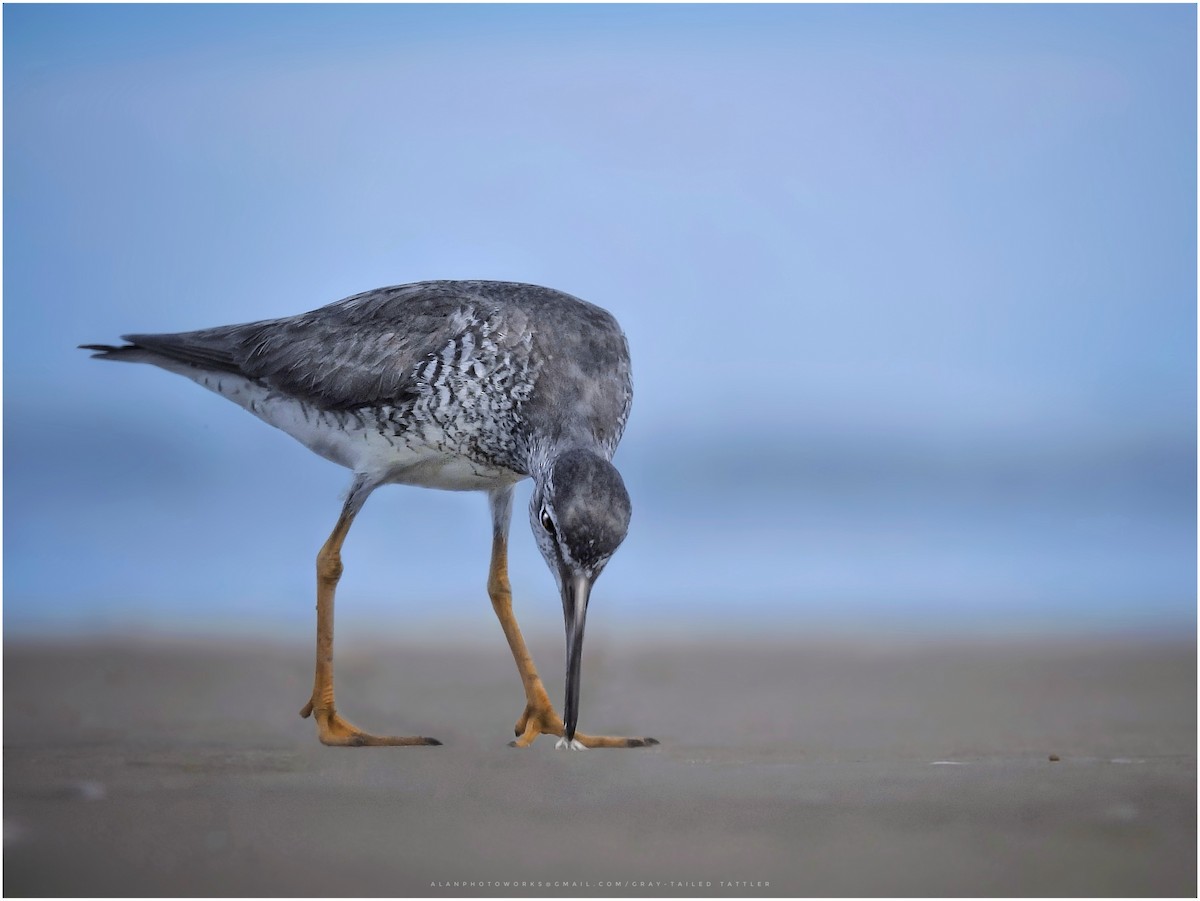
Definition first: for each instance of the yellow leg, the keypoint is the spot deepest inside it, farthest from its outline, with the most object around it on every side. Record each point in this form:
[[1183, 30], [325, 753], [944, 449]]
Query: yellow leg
[[539, 717], [331, 728]]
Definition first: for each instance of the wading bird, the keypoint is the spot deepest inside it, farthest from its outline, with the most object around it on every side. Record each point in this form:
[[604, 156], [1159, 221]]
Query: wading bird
[[460, 385]]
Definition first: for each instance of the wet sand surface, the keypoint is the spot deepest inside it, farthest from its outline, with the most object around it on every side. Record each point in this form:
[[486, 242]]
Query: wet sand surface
[[816, 768]]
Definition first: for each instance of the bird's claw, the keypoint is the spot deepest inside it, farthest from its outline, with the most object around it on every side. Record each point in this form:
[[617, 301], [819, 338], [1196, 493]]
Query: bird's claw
[[573, 745]]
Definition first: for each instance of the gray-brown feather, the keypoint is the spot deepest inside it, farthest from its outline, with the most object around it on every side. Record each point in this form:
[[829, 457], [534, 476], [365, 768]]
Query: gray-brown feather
[[512, 364]]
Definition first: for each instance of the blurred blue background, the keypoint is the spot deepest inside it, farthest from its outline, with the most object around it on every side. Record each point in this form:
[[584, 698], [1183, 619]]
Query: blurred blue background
[[910, 292]]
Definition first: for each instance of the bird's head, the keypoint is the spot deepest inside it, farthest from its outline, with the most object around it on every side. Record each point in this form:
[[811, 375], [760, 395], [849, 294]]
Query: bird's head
[[579, 514]]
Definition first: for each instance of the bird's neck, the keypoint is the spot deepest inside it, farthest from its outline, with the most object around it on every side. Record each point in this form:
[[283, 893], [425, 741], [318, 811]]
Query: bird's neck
[[543, 457]]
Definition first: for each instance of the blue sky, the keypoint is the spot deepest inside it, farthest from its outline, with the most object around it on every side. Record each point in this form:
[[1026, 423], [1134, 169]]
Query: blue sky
[[910, 292]]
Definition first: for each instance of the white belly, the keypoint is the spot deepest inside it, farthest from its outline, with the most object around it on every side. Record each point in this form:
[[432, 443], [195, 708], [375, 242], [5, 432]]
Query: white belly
[[344, 439]]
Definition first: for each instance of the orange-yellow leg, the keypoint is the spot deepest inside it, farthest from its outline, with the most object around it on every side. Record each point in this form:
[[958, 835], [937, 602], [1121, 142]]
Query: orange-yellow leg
[[331, 728], [539, 717]]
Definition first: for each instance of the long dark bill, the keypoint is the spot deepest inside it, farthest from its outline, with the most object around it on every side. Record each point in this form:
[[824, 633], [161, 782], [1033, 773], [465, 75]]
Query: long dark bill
[[575, 601]]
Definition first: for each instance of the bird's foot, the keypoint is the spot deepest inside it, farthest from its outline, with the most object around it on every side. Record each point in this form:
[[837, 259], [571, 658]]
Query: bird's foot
[[335, 731], [542, 720]]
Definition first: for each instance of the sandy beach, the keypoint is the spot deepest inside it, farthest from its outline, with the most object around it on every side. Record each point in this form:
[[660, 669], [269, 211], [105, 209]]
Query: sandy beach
[[839, 767]]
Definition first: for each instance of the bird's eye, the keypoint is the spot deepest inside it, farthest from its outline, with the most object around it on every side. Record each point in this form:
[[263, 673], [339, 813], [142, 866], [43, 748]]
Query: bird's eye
[[547, 522]]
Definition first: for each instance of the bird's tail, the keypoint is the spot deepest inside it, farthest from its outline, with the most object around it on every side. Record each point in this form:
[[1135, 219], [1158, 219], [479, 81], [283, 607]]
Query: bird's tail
[[126, 353], [211, 349]]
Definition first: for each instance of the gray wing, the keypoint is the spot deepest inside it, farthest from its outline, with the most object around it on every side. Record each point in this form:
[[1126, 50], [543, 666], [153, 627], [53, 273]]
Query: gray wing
[[356, 352], [394, 345]]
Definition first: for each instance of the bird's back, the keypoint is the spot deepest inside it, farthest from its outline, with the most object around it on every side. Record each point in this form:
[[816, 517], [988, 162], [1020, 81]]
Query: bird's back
[[477, 369]]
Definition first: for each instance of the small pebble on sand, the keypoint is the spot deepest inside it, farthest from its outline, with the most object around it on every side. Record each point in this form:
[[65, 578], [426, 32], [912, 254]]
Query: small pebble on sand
[[87, 791]]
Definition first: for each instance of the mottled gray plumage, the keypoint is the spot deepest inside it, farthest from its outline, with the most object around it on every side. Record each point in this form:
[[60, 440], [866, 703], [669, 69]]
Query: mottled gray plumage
[[547, 368], [447, 384]]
